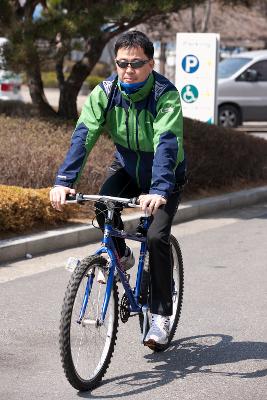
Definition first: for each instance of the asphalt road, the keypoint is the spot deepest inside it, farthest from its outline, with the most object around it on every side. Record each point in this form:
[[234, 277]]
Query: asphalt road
[[219, 351]]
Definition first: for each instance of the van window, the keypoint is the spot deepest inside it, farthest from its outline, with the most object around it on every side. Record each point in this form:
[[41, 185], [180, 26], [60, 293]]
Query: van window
[[229, 66], [3, 42], [261, 68], [1, 58]]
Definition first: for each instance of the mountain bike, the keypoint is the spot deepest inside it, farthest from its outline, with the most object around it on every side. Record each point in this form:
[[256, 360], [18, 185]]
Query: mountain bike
[[91, 307]]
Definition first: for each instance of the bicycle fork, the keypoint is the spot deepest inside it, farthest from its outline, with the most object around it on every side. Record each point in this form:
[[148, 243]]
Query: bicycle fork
[[85, 299]]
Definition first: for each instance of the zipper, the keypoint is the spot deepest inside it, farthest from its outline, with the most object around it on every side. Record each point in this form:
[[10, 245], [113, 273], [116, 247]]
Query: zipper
[[127, 127], [132, 117], [137, 168], [132, 122], [136, 132], [135, 125], [138, 151]]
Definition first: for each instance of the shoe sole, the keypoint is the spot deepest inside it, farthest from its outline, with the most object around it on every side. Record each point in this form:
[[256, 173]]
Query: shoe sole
[[153, 345]]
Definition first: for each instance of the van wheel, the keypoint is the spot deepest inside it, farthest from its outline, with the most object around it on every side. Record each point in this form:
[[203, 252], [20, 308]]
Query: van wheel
[[229, 116]]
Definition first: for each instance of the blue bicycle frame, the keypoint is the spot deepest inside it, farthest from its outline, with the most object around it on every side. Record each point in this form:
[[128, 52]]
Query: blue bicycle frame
[[109, 248]]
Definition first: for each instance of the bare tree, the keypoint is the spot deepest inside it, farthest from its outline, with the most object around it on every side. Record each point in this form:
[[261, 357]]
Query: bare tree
[[200, 20]]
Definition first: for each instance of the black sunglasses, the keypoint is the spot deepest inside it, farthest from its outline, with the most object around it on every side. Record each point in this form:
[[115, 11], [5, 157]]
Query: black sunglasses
[[134, 64]]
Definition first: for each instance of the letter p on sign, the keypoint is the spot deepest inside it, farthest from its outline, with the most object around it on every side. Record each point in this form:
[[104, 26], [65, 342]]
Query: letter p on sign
[[190, 63]]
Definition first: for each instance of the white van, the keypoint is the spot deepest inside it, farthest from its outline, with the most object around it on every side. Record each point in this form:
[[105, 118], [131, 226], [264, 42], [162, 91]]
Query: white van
[[10, 83], [242, 88]]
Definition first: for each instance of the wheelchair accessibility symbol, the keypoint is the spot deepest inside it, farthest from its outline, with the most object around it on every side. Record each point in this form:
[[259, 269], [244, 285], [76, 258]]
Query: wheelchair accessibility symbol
[[189, 93]]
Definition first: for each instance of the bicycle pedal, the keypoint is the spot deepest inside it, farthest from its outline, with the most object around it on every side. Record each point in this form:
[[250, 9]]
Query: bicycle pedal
[[124, 308], [128, 276], [72, 263]]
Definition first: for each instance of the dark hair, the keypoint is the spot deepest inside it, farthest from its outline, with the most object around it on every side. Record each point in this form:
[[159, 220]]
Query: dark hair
[[135, 39]]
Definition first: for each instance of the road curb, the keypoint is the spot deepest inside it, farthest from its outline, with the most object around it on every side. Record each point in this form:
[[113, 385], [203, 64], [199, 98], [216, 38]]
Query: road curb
[[80, 234]]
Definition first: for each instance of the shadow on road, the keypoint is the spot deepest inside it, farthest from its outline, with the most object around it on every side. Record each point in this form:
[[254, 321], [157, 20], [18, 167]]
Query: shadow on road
[[206, 354]]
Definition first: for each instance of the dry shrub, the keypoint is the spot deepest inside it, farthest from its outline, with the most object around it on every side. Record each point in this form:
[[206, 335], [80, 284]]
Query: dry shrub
[[14, 108], [222, 159], [32, 150], [95, 170], [23, 209]]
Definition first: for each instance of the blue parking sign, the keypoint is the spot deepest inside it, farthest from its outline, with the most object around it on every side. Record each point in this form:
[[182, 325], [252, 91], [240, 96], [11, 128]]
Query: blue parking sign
[[196, 74], [190, 63]]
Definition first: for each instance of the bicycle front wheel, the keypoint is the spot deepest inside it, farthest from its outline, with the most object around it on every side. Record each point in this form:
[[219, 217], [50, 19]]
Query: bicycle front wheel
[[86, 346]]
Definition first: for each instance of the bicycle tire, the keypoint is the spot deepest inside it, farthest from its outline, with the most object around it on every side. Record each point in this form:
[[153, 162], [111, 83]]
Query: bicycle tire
[[178, 278], [88, 343]]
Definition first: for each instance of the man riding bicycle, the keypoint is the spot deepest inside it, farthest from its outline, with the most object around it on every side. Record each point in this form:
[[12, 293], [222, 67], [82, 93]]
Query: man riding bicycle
[[142, 112]]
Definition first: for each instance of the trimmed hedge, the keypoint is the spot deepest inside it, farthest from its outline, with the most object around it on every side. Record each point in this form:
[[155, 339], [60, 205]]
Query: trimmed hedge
[[219, 160], [13, 108], [93, 81], [22, 209], [32, 149]]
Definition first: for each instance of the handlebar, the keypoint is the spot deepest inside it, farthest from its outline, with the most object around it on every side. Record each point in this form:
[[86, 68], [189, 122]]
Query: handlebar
[[80, 198]]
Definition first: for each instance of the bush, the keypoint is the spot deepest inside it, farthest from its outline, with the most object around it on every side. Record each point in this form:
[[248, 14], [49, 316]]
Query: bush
[[13, 108], [101, 69], [50, 79], [37, 148], [219, 159], [93, 81], [222, 159], [23, 209]]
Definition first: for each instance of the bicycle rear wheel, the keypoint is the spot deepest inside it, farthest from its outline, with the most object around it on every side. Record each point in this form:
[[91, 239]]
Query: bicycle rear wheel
[[177, 291], [85, 346]]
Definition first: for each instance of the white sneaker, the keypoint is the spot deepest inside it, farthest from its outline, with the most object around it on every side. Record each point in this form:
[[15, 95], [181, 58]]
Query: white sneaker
[[158, 334], [128, 260]]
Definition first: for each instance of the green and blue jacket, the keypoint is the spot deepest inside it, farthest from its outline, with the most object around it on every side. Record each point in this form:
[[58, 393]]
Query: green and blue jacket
[[146, 128]]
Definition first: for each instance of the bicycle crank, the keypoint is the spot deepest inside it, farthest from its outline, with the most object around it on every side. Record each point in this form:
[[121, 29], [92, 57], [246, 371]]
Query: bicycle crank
[[124, 309]]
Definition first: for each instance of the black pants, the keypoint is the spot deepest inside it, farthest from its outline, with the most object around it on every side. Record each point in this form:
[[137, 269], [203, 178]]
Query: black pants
[[119, 183]]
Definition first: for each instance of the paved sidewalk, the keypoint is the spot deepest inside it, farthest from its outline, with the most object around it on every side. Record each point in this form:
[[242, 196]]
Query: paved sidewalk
[[52, 96], [56, 239]]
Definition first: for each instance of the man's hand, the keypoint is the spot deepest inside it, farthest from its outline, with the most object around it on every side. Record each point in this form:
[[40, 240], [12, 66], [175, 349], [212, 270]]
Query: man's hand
[[151, 202], [58, 196]]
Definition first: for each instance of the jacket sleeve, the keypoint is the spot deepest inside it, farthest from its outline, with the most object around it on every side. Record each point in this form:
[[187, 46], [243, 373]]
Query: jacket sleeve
[[168, 143], [88, 128]]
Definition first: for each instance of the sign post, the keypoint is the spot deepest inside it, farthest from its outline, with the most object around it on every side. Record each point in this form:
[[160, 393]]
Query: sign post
[[197, 57]]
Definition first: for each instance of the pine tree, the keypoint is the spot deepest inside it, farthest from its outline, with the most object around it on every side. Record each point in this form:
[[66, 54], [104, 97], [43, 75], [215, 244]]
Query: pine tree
[[62, 26]]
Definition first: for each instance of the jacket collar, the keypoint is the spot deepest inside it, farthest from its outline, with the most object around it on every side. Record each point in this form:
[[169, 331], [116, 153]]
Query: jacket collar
[[141, 93]]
